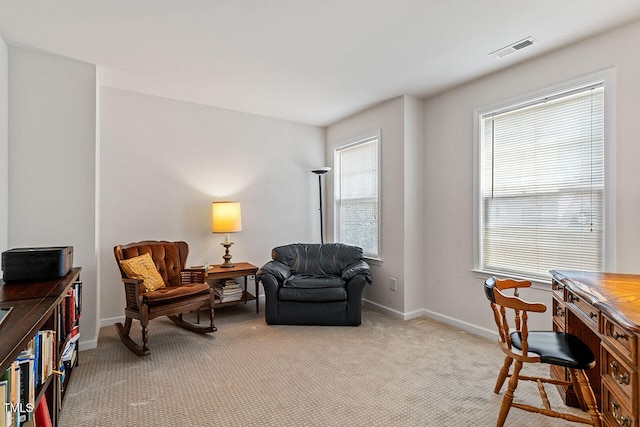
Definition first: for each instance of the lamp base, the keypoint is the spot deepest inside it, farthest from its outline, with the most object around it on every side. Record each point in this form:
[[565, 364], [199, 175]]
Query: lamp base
[[227, 256]]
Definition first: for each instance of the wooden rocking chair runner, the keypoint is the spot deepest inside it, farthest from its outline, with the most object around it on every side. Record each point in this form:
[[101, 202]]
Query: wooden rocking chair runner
[[524, 346], [183, 290]]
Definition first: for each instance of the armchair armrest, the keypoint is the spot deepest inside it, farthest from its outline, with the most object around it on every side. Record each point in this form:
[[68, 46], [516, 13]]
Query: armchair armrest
[[193, 275], [357, 268], [133, 293], [275, 268]]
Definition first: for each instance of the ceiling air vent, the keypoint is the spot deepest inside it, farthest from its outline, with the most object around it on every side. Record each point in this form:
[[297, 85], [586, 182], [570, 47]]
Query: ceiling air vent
[[514, 47]]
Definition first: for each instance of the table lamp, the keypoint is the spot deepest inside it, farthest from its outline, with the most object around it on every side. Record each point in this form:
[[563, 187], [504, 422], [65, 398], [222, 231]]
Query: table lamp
[[226, 217]]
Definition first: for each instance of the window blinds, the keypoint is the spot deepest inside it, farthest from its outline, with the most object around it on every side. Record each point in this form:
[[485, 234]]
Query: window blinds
[[357, 195], [543, 185]]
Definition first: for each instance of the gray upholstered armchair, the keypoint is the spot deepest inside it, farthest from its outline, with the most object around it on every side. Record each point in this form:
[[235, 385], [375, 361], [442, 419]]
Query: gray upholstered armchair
[[314, 284]]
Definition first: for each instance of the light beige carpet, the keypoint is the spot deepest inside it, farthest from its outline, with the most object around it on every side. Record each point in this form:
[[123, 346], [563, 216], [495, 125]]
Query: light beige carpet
[[385, 372]]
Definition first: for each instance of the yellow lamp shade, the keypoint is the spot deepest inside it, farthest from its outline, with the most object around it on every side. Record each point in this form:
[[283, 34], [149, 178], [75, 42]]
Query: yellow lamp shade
[[226, 217]]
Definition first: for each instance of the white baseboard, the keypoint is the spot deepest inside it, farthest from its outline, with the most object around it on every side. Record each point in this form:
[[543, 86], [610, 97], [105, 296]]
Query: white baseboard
[[384, 309], [461, 324], [395, 313], [91, 344], [457, 323], [111, 321], [87, 345]]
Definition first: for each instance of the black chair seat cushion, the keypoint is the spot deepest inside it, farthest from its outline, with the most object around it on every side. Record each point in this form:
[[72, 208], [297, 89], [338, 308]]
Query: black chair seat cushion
[[312, 295], [557, 348], [171, 293], [313, 281]]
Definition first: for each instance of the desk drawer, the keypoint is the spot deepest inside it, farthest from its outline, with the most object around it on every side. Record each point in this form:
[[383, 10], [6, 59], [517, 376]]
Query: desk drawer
[[615, 412], [619, 376], [584, 308], [557, 288], [622, 341], [558, 314]]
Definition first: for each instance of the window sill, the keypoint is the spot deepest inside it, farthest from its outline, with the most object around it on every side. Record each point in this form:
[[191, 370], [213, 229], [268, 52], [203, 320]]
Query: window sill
[[536, 283], [374, 261]]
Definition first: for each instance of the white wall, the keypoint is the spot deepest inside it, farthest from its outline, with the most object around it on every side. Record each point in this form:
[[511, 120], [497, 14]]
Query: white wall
[[4, 145], [453, 291], [400, 122], [52, 127], [162, 163]]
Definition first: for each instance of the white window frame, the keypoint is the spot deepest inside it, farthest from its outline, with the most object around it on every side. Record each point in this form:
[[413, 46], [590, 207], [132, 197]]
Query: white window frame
[[375, 135], [607, 78]]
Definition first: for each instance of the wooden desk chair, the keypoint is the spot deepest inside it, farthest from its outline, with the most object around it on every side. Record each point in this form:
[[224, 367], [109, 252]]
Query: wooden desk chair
[[524, 346], [160, 286]]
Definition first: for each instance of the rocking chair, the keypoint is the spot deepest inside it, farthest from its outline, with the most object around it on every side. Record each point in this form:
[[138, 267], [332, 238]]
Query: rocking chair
[[156, 283]]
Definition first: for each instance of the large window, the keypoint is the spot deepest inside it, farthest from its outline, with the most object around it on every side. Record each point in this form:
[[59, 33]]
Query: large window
[[357, 197], [542, 184]]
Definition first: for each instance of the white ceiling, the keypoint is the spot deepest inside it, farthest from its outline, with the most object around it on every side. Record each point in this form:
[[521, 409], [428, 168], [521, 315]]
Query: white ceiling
[[310, 61]]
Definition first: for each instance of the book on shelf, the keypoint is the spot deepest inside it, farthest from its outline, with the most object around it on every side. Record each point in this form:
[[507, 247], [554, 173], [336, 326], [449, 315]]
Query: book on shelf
[[18, 393], [27, 395], [77, 288], [19, 383], [7, 382], [72, 309], [42, 417], [37, 360], [228, 290], [229, 299], [10, 380], [69, 312], [45, 355], [4, 399], [71, 348]]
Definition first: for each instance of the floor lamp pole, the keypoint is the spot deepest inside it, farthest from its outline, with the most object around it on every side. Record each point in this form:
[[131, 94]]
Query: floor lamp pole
[[320, 172]]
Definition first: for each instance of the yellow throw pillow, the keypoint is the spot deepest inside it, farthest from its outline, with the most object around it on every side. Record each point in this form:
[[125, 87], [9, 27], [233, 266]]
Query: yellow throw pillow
[[142, 267]]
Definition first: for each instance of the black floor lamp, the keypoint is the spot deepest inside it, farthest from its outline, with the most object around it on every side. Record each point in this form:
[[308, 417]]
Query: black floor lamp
[[320, 172]]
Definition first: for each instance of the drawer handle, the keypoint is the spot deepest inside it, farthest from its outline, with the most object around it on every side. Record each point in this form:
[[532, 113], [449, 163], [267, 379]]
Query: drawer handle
[[593, 315], [620, 419], [615, 334], [619, 378], [560, 311], [573, 299]]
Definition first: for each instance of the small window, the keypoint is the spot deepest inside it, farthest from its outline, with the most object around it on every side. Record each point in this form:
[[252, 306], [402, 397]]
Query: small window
[[357, 196], [542, 185]]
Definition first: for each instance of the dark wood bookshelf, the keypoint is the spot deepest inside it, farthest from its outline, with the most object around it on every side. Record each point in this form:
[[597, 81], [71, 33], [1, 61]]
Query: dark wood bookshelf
[[37, 306]]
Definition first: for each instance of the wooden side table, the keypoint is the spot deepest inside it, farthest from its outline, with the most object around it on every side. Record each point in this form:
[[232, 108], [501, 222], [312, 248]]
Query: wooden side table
[[240, 269]]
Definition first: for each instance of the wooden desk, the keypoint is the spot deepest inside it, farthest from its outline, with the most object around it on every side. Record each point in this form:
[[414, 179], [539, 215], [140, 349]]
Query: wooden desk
[[603, 309]]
